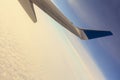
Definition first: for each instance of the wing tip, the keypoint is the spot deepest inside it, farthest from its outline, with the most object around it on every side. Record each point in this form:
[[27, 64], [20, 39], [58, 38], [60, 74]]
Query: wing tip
[[91, 34]]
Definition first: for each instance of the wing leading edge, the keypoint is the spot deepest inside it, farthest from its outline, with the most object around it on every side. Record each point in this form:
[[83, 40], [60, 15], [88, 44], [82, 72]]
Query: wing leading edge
[[83, 34]]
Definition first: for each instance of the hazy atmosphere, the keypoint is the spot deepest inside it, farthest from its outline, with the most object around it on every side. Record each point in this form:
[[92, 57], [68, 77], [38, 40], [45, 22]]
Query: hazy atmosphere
[[47, 51]]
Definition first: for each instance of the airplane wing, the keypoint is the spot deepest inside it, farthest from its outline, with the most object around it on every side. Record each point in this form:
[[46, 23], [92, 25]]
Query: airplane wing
[[83, 34]]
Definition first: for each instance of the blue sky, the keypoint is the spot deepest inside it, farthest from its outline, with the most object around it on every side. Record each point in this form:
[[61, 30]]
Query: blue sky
[[101, 15]]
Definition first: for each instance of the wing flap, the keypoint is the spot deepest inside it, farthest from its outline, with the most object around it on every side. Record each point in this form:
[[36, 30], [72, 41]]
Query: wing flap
[[28, 7]]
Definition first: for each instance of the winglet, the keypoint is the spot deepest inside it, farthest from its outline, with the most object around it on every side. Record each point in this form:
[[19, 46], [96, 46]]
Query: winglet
[[91, 34], [28, 7]]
